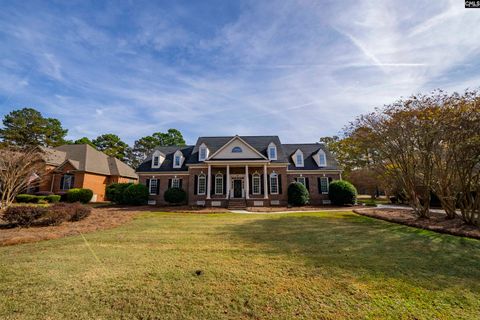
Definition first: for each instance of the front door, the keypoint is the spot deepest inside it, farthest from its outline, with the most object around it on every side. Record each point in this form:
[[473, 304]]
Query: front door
[[237, 188]]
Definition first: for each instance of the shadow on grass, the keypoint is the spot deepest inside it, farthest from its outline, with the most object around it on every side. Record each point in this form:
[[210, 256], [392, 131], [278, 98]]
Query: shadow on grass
[[365, 247]]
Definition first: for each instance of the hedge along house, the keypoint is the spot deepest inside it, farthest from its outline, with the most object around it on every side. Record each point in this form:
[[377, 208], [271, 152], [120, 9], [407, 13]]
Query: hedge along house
[[81, 166], [239, 171]]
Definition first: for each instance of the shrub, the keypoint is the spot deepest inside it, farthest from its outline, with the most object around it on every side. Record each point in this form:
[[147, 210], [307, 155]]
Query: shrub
[[342, 192], [24, 198], [114, 192], [23, 216], [79, 195], [43, 193], [298, 194], [53, 198], [175, 195], [135, 194], [81, 212], [26, 216]]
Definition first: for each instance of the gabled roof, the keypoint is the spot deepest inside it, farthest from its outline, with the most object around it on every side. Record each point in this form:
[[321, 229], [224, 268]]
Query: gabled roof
[[52, 156], [309, 150], [259, 143], [91, 160], [167, 164]]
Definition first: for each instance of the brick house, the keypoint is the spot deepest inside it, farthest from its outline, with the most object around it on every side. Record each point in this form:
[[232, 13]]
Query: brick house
[[239, 171], [81, 166]]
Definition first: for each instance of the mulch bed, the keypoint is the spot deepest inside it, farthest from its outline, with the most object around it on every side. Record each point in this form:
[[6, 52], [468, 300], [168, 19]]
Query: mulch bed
[[99, 219], [437, 221]]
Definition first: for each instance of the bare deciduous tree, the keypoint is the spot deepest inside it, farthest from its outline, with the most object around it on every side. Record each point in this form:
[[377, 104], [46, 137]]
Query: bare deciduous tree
[[19, 169]]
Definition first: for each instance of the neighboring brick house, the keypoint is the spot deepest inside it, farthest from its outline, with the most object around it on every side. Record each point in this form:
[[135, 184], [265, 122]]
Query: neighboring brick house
[[82, 166], [239, 171]]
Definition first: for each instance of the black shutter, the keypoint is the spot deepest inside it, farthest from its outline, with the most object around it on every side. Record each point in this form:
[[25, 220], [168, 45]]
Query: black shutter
[[195, 185], [169, 183], [280, 184], [61, 182], [158, 186], [307, 182], [224, 185], [319, 185], [147, 183], [72, 183], [330, 179], [180, 183], [262, 185], [212, 185], [250, 184], [268, 184], [295, 179]]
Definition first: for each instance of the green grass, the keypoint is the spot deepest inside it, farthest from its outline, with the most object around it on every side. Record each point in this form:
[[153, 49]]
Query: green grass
[[311, 266]]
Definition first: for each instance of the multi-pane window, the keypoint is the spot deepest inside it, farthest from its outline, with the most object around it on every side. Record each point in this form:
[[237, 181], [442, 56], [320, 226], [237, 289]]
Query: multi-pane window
[[67, 183], [272, 153], [219, 183], [299, 160], [156, 160], [202, 184], [324, 184], [203, 153], [256, 183], [175, 183], [322, 159], [177, 161], [301, 180], [153, 186], [274, 183]]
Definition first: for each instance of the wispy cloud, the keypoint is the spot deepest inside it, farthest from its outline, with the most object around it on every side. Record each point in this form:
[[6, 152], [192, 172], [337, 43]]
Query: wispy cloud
[[300, 69]]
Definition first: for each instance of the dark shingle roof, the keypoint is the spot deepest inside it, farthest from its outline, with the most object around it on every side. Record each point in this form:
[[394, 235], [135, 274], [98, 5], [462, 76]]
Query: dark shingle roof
[[309, 150], [259, 143], [167, 164]]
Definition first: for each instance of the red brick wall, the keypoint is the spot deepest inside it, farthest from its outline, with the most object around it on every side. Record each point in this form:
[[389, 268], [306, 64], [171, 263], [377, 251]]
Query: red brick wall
[[163, 184], [316, 198]]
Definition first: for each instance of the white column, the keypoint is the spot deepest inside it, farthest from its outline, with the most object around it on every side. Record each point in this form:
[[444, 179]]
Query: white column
[[265, 183], [247, 186], [209, 182], [228, 182]]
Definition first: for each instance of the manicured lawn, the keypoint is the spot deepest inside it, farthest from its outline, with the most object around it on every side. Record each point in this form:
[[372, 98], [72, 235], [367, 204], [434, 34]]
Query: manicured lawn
[[314, 266]]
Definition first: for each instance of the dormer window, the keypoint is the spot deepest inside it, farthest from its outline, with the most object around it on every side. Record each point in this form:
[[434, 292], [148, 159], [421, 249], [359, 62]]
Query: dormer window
[[297, 158], [272, 151], [237, 150], [157, 159], [322, 159], [202, 152], [177, 159]]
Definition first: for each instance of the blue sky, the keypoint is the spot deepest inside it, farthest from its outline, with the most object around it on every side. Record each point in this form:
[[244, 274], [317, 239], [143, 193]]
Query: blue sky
[[298, 69]]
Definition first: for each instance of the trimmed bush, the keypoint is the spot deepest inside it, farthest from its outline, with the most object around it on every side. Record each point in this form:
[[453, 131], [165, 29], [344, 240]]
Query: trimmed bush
[[26, 216], [135, 194], [342, 192], [79, 195], [114, 192], [25, 198], [298, 194], [23, 216], [54, 198], [175, 195]]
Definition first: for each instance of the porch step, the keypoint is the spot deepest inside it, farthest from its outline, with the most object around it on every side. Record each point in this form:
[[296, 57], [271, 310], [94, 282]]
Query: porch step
[[237, 204]]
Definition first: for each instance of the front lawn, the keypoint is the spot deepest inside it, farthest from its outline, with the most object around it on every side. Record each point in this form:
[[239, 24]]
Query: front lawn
[[326, 265]]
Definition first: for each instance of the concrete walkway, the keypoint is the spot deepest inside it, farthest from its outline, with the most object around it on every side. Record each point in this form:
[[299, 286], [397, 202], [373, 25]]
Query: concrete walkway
[[299, 211]]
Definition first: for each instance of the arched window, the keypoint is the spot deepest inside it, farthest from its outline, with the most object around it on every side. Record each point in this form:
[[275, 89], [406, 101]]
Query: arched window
[[272, 151], [322, 159], [219, 183], [273, 183], [202, 184], [236, 150], [256, 183]]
